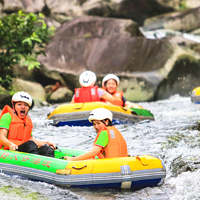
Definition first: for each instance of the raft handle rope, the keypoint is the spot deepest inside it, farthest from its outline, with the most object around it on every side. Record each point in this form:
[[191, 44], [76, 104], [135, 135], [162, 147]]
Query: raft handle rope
[[141, 161], [79, 168], [124, 108], [58, 149]]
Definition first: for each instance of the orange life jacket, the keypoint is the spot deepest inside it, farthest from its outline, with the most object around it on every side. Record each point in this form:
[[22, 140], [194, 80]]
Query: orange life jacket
[[118, 98], [19, 130], [116, 146], [86, 94]]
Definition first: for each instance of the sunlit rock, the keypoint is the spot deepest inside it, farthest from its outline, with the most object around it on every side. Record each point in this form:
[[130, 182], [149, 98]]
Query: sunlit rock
[[34, 89], [183, 77], [61, 95], [185, 20], [34, 6]]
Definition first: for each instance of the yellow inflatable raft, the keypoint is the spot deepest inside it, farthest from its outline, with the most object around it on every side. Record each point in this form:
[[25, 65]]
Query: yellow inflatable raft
[[77, 114], [195, 96]]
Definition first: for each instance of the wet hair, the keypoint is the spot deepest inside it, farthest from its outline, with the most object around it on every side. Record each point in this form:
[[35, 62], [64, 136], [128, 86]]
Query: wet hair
[[109, 122], [106, 84], [33, 103], [108, 80], [13, 107]]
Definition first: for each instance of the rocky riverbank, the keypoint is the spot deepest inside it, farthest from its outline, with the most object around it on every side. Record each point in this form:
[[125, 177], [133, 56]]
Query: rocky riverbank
[[113, 37]]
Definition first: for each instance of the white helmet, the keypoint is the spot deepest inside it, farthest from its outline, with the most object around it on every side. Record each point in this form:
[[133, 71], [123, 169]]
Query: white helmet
[[100, 114], [87, 79], [22, 96], [108, 77]]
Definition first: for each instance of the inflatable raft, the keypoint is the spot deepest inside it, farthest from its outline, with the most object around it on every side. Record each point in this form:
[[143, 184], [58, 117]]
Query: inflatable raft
[[195, 96], [129, 172], [77, 114]]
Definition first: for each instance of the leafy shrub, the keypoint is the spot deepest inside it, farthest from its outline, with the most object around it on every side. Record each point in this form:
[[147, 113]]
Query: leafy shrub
[[23, 38]]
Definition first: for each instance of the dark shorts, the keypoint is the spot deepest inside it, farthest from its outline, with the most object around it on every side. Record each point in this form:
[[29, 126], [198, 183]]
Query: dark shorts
[[31, 147]]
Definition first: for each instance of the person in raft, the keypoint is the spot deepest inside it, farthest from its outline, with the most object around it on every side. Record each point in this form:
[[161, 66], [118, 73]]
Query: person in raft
[[109, 142], [88, 91], [16, 128], [110, 83]]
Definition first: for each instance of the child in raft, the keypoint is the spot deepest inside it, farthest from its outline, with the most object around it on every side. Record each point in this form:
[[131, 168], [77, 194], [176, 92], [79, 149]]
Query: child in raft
[[89, 92], [110, 83], [109, 142]]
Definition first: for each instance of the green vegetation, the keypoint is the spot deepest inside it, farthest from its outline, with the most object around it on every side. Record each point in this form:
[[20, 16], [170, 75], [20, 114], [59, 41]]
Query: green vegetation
[[182, 5], [23, 37], [13, 192]]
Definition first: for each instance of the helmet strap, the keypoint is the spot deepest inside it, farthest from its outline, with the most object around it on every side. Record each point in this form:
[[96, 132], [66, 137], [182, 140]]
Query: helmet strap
[[106, 121], [109, 123], [13, 105], [103, 122]]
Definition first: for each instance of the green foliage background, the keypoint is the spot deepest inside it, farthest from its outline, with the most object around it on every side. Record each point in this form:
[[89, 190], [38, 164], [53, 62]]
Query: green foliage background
[[22, 38]]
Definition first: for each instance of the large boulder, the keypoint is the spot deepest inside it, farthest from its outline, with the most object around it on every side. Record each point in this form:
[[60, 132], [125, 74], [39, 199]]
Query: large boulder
[[103, 45], [180, 4], [62, 10], [185, 20], [192, 3], [36, 90], [91, 26], [182, 79], [5, 97], [137, 10], [26, 5], [140, 86], [61, 95], [22, 72]]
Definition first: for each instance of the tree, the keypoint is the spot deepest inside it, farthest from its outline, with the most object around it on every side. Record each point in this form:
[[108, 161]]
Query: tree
[[22, 38]]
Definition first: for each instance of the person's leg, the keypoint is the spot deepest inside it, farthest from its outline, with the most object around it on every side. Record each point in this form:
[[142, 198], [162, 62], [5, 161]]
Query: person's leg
[[29, 147], [46, 151]]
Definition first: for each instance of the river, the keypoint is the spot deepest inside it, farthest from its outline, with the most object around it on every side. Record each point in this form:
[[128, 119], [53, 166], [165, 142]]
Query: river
[[171, 137]]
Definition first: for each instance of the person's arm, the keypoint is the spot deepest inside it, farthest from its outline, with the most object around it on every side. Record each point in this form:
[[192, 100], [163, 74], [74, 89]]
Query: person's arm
[[128, 104], [106, 96], [72, 101], [101, 142], [4, 127], [42, 143], [5, 141], [95, 150]]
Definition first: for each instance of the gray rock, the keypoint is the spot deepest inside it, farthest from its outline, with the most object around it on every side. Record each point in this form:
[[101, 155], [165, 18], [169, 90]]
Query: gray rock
[[186, 20], [12, 5], [63, 10], [140, 86], [36, 90], [182, 79], [179, 4], [5, 97], [137, 10], [25, 5], [51, 22], [106, 47], [61, 95]]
